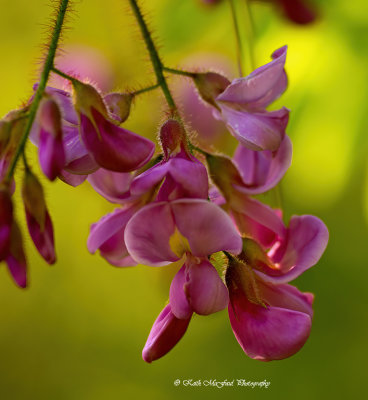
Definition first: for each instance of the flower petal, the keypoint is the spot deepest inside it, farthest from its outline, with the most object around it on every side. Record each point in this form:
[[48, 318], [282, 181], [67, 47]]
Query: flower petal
[[166, 332], [180, 306], [200, 222]]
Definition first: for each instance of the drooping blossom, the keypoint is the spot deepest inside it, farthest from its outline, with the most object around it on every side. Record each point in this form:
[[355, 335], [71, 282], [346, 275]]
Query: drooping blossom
[[271, 319], [50, 148], [242, 103], [38, 218], [166, 332], [6, 220]]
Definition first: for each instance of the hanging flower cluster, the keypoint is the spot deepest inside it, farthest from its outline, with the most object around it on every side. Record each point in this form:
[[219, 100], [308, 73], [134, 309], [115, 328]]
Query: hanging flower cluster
[[181, 204]]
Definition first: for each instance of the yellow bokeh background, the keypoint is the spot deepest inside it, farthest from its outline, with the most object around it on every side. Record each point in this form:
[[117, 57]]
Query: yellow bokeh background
[[77, 332]]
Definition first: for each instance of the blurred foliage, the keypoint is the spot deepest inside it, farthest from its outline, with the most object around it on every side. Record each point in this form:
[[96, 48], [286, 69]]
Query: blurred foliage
[[78, 331]]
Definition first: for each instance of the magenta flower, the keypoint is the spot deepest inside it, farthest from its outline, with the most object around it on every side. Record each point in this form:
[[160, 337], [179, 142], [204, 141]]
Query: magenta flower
[[243, 105], [51, 147], [298, 11], [166, 332], [111, 146], [272, 320]]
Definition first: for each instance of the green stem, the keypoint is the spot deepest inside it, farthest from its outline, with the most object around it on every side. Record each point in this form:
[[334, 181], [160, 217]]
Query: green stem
[[63, 74], [179, 72], [155, 58], [49, 62], [146, 89], [239, 47], [250, 33]]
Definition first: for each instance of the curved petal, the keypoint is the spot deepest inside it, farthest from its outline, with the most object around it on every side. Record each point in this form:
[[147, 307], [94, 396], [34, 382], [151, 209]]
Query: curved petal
[[268, 333], [148, 233], [261, 87], [113, 147], [205, 290], [306, 242], [148, 179], [258, 130], [180, 306], [166, 332], [200, 222], [51, 155], [114, 186], [262, 170], [72, 179]]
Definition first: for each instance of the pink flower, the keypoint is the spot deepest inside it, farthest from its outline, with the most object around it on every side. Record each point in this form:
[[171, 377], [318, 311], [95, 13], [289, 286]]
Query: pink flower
[[270, 319], [165, 334], [243, 105]]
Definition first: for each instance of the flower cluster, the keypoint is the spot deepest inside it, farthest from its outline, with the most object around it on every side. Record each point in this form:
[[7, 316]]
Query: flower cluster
[[182, 204], [172, 211]]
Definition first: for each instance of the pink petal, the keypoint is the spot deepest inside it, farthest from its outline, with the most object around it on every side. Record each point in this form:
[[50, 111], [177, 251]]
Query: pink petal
[[262, 170], [51, 155], [114, 186], [72, 179], [113, 147], [259, 130], [201, 222], [166, 332], [180, 306], [148, 233], [261, 87]]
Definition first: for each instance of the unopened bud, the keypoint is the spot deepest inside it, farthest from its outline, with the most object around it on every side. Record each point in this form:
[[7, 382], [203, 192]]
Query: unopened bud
[[210, 85], [49, 117], [6, 220], [33, 198], [87, 97], [16, 259], [172, 135], [119, 105]]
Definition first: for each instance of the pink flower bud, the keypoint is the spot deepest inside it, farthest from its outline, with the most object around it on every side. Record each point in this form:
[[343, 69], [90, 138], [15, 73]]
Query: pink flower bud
[[51, 148], [210, 85], [6, 220], [16, 258], [38, 219]]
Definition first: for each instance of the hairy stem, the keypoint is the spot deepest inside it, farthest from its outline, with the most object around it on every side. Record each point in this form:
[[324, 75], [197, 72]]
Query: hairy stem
[[179, 72], [49, 62], [155, 58]]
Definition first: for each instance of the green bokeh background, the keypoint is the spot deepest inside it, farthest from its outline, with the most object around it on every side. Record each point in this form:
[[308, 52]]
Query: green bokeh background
[[77, 332]]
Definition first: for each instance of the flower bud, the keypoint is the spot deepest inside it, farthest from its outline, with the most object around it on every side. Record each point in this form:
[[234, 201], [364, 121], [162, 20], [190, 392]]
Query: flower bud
[[111, 146], [119, 105], [210, 85], [16, 258], [38, 219], [166, 332], [4, 135], [6, 220], [172, 135], [51, 147]]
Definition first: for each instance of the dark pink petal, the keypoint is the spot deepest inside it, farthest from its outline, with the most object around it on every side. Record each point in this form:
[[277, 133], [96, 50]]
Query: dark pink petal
[[113, 147], [18, 270], [148, 233], [261, 87], [42, 238], [258, 130], [298, 11], [51, 154], [205, 290], [249, 213], [306, 242], [114, 186], [201, 223], [268, 333], [262, 170], [107, 235], [149, 179], [166, 332]]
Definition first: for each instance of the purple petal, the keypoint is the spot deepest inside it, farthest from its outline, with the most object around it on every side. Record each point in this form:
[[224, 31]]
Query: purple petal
[[16, 258], [114, 186], [6, 221], [72, 179], [200, 222], [262, 170], [147, 235], [180, 306], [259, 130], [261, 87], [51, 155], [113, 147], [306, 242], [268, 333], [150, 178], [166, 332], [42, 238], [107, 235]]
